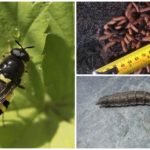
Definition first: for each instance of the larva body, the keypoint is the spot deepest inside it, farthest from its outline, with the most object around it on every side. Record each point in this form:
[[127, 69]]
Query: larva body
[[124, 99]]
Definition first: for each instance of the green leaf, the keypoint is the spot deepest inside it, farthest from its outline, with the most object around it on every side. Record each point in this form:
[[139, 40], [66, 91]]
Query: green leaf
[[62, 22], [42, 115], [59, 81]]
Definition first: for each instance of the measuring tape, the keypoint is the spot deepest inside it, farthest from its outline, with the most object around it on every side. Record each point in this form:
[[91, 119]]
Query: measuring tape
[[129, 63]]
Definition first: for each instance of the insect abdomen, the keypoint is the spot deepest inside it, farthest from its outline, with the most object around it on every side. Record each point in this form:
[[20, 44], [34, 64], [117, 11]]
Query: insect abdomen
[[124, 99], [3, 105], [4, 101]]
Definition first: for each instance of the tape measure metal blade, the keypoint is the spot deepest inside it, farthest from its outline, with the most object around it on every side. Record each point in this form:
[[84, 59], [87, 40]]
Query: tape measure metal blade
[[129, 63]]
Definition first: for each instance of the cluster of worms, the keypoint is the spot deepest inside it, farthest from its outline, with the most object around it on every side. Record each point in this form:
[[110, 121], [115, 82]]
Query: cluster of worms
[[124, 99], [131, 31]]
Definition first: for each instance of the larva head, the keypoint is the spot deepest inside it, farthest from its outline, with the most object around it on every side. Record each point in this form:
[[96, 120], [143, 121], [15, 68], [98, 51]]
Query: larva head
[[102, 102], [21, 52], [109, 101]]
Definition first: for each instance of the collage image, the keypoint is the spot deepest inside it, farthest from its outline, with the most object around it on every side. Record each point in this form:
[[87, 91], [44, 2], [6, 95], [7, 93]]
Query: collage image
[[74, 74]]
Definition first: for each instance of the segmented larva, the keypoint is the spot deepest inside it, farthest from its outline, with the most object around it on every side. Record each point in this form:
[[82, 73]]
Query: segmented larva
[[124, 99]]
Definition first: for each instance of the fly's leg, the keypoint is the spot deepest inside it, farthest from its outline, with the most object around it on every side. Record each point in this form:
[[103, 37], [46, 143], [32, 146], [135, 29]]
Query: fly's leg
[[21, 86], [17, 83]]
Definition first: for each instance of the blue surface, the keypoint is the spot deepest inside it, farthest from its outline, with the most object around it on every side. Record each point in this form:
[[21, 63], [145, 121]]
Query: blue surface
[[124, 127]]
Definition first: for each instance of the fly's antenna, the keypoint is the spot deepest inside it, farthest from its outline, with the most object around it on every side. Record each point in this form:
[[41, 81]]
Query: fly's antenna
[[29, 47], [22, 47], [19, 44]]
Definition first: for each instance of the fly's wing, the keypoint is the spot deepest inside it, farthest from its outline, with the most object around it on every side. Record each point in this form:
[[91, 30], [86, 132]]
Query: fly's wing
[[6, 89], [3, 86], [5, 94]]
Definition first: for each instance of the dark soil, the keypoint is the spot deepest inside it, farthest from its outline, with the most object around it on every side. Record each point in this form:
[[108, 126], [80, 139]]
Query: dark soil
[[91, 16]]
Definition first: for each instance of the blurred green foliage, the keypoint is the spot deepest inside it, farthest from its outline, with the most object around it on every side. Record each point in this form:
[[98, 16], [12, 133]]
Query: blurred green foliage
[[42, 115]]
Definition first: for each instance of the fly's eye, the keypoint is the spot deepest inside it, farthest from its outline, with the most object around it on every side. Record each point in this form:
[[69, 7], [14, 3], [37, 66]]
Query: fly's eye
[[25, 57], [20, 53], [15, 52]]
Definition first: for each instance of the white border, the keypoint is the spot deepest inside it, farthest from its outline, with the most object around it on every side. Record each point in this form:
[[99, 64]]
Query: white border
[[98, 75], [74, 1], [75, 71], [109, 75]]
